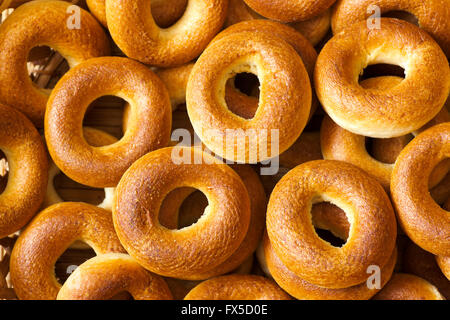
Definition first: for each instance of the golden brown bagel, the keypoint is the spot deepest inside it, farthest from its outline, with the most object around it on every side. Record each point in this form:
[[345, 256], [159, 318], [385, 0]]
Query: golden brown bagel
[[27, 163], [107, 275], [294, 240], [95, 138], [49, 234], [404, 286], [164, 12], [304, 290], [289, 10], [427, 224], [149, 128], [423, 264], [382, 113], [284, 104], [433, 15], [173, 46], [237, 287], [194, 249], [258, 204], [37, 23], [313, 29]]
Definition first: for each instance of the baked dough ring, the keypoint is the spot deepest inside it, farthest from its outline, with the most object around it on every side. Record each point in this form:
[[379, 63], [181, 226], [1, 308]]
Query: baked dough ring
[[285, 101], [164, 12], [367, 206], [303, 290], [27, 178], [289, 10], [313, 29], [237, 287], [107, 275], [42, 23], [194, 249], [370, 112], [135, 32], [149, 127], [46, 238], [258, 205], [404, 286], [433, 15], [427, 224]]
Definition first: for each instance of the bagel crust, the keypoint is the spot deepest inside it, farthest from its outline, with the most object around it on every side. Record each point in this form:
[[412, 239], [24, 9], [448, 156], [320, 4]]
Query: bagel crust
[[46, 238], [191, 250], [237, 287], [372, 233], [422, 219], [37, 23], [107, 275], [28, 166], [433, 15], [148, 128], [382, 113], [289, 10], [134, 30], [285, 95]]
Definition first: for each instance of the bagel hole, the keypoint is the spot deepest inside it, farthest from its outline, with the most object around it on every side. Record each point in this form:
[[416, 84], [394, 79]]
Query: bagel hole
[[190, 210], [4, 171], [45, 67], [168, 16], [70, 190], [381, 70], [402, 15], [247, 84], [386, 150], [71, 259], [330, 223], [106, 114]]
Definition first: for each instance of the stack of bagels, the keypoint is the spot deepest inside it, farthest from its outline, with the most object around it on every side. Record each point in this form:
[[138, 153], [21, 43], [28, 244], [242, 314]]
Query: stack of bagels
[[333, 182]]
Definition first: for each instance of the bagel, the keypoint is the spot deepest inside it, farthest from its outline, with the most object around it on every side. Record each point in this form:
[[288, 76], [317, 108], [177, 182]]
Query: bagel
[[33, 24], [427, 224], [404, 286], [303, 290], [382, 113], [237, 287], [149, 128], [173, 46], [257, 220], [289, 10], [373, 227], [45, 239], [107, 275], [421, 263], [313, 29], [164, 12], [27, 165], [191, 250], [268, 57], [433, 15]]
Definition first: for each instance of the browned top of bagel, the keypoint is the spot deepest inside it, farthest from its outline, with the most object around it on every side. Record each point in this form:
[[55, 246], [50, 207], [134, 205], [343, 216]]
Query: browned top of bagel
[[237, 287]]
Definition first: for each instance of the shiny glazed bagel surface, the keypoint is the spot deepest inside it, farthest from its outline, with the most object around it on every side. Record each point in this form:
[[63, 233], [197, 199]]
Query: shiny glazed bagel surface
[[42, 23], [373, 227], [148, 128], [237, 287], [423, 220], [289, 10], [28, 165], [134, 30], [382, 113], [107, 275], [194, 249], [46, 238], [285, 95]]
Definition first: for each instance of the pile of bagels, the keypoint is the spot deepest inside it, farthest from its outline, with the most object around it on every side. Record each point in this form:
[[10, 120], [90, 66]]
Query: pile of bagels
[[347, 98]]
